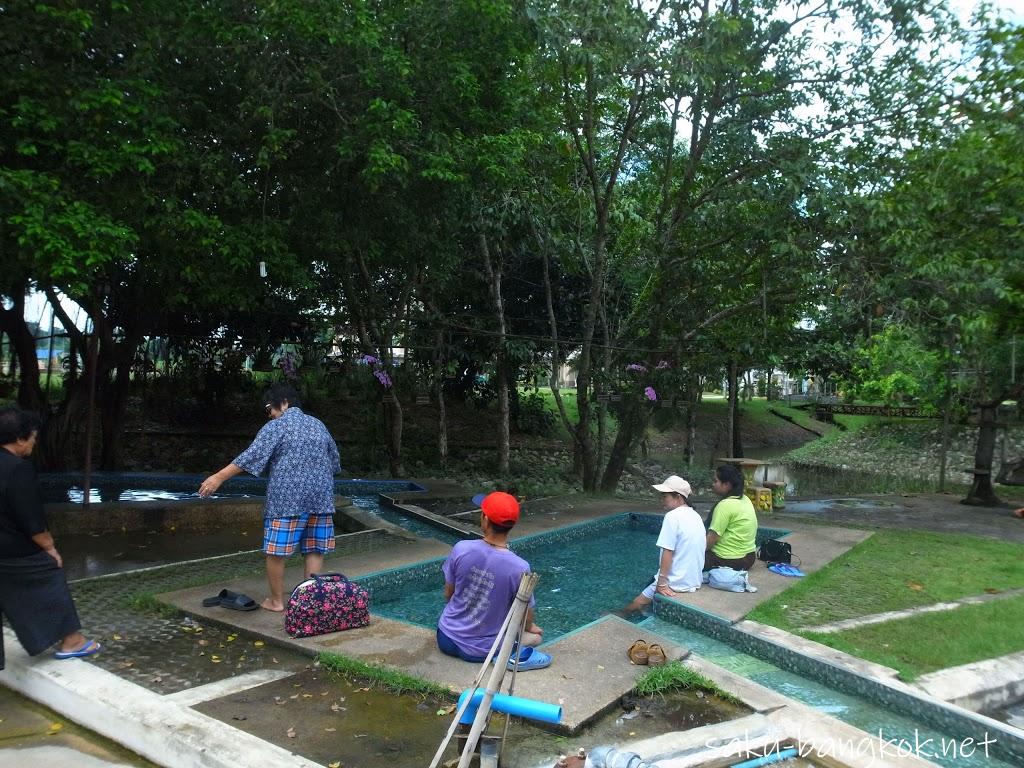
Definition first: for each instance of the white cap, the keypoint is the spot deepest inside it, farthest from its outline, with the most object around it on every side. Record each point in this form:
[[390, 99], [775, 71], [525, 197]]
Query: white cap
[[675, 484]]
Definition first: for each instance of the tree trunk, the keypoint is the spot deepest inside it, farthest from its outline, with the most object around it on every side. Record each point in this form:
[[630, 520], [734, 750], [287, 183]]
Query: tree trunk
[[442, 416], [59, 427], [693, 400], [504, 420], [735, 443], [633, 424], [23, 349], [393, 425], [494, 279], [982, 494], [114, 407], [947, 406]]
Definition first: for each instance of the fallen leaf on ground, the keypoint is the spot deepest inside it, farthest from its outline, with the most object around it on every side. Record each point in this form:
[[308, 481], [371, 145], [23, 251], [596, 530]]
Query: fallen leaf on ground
[[330, 730], [203, 642], [291, 733], [334, 765], [118, 637], [259, 643], [915, 586], [54, 727]]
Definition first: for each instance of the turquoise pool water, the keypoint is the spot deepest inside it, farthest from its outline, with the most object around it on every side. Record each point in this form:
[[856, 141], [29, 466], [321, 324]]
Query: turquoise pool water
[[579, 582]]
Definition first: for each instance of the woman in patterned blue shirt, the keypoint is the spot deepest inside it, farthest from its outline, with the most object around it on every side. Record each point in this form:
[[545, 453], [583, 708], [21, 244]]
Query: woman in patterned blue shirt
[[302, 458]]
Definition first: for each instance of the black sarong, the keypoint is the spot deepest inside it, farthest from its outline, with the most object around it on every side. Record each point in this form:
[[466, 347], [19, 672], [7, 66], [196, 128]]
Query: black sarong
[[35, 599]]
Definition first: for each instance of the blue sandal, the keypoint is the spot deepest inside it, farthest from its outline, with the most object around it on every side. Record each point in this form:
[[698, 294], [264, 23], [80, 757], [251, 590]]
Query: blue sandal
[[530, 658], [90, 647]]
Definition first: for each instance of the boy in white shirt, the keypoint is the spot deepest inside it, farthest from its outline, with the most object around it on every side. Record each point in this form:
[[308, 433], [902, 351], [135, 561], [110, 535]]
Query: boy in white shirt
[[682, 542]]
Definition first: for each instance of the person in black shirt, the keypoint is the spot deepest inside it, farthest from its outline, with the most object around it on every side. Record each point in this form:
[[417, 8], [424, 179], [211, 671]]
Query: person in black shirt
[[34, 594]]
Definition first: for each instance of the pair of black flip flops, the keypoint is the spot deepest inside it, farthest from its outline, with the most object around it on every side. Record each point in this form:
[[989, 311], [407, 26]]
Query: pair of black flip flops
[[233, 600]]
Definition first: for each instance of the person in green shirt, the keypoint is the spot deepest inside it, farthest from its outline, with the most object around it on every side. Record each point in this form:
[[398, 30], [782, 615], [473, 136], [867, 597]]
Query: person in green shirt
[[733, 527]]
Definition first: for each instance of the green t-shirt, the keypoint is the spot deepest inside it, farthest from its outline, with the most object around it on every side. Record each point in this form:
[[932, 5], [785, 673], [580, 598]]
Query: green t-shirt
[[735, 522]]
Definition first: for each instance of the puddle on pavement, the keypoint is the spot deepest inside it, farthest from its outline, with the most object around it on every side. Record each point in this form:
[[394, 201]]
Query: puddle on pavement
[[178, 652], [839, 505], [332, 720], [33, 736], [94, 555]]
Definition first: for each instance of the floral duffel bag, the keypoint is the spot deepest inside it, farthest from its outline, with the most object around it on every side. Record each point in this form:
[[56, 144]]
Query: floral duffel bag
[[326, 602]]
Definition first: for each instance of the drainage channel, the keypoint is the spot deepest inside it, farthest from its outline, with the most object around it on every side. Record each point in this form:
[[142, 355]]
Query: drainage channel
[[898, 731]]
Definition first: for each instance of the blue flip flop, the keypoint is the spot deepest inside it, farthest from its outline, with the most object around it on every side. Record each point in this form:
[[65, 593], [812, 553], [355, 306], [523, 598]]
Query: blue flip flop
[[530, 658], [785, 569], [90, 647]]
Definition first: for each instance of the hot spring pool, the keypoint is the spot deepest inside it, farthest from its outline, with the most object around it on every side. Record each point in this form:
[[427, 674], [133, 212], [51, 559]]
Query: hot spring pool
[[130, 487], [586, 571]]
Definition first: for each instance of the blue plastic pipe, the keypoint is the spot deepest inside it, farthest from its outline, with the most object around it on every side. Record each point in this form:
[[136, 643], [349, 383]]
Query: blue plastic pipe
[[771, 757], [511, 705]]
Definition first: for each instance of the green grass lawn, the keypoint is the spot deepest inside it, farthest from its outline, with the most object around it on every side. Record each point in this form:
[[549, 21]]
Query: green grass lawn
[[960, 636], [895, 570]]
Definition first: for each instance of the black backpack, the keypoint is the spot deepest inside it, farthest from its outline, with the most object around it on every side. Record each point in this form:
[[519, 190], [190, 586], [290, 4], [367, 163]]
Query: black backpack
[[775, 551]]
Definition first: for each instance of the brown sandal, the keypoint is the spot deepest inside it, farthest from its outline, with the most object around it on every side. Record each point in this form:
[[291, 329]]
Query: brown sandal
[[637, 653], [656, 655]]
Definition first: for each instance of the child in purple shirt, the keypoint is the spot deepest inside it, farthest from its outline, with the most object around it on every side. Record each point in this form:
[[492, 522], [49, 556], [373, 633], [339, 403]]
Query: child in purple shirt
[[481, 579]]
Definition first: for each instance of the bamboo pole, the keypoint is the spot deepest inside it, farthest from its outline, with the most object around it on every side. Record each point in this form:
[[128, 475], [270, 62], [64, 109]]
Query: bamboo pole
[[519, 606], [498, 639]]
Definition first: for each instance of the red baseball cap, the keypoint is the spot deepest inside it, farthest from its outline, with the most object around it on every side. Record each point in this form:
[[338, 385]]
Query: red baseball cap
[[499, 507]]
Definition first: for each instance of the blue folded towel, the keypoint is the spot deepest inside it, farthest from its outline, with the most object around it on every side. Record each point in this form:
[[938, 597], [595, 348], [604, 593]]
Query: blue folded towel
[[785, 569]]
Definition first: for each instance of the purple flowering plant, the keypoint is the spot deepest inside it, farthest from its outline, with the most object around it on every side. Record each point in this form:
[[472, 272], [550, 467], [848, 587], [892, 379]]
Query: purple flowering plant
[[378, 370]]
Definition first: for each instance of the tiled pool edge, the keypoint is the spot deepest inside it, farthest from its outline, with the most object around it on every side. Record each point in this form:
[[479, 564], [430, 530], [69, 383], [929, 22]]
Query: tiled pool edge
[[892, 695]]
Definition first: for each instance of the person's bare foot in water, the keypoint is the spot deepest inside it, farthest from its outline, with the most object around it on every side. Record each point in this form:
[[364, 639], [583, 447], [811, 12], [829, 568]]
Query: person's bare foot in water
[[269, 605]]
